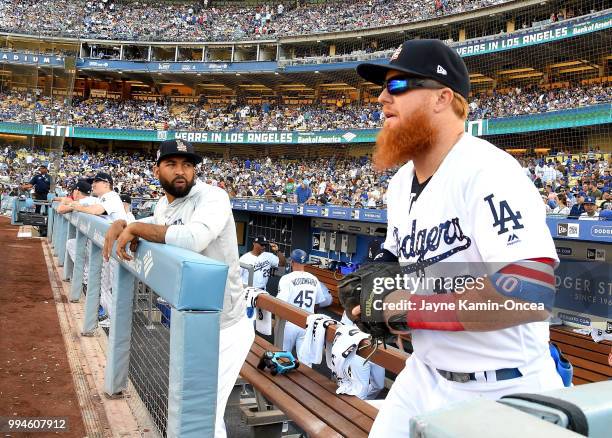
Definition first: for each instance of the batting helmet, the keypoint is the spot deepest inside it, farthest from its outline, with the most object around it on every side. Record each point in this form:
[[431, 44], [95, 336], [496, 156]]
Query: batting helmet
[[299, 256]]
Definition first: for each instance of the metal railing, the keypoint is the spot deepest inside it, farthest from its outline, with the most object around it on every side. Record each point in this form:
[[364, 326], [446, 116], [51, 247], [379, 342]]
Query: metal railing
[[182, 402]]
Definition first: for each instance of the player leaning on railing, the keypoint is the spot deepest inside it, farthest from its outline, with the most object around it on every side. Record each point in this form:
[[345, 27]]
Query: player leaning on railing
[[459, 210], [198, 217]]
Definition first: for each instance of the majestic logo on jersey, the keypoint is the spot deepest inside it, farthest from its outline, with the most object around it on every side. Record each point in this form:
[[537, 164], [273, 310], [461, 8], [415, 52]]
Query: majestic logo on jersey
[[512, 239], [177, 222], [416, 245], [504, 215]]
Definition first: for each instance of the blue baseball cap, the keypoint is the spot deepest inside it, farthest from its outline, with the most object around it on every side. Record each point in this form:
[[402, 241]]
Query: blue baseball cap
[[299, 256], [589, 200]]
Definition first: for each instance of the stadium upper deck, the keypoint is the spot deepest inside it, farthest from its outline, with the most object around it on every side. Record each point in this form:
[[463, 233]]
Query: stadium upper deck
[[204, 21]]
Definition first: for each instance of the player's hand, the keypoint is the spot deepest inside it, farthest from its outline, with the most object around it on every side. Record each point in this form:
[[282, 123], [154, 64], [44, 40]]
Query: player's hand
[[111, 235], [124, 238], [397, 314]]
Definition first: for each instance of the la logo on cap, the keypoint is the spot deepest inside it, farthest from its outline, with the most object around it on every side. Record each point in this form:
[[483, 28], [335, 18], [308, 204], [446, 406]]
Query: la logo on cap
[[396, 54], [180, 146]]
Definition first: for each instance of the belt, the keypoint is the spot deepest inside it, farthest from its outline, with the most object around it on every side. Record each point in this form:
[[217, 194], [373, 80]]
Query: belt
[[501, 374]]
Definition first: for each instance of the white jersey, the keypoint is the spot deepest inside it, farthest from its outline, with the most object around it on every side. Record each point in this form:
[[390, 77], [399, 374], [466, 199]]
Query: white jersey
[[203, 222], [478, 207], [262, 265], [113, 206], [585, 217], [302, 289]]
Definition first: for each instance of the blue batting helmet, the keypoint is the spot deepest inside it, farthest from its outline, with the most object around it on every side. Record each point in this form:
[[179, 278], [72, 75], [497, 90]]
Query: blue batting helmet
[[299, 256]]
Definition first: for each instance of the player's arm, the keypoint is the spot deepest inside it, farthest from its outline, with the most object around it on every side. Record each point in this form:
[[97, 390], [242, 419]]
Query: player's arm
[[207, 223], [64, 208], [96, 209], [279, 260], [195, 236], [284, 289], [324, 298], [519, 293]]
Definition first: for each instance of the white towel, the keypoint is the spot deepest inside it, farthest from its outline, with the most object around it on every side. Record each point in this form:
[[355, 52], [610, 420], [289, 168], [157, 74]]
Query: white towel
[[262, 318], [311, 350], [350, 371], [599, 335]]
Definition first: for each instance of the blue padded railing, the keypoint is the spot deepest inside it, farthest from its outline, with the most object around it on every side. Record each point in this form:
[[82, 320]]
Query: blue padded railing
[[193, 285]]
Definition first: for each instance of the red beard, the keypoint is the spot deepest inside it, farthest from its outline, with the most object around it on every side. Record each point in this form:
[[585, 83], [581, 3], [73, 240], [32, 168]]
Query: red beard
[[409, 140]]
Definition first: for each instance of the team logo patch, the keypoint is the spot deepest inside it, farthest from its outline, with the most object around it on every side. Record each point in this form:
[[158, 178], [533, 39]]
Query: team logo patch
[[396, 54], [181, 146], [503, 215]]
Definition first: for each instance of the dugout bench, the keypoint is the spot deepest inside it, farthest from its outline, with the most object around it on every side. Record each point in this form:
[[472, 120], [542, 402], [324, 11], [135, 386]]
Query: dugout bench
[[305, 396]]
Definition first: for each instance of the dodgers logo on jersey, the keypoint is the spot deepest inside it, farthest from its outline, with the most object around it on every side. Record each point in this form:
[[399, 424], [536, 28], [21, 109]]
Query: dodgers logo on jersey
[[416, 245], [504, 215]]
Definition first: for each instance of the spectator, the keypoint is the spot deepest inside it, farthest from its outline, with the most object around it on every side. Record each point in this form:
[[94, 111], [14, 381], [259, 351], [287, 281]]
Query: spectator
[[578, 207], [561, 209], [41, 182], [303, 192], [590, 209]]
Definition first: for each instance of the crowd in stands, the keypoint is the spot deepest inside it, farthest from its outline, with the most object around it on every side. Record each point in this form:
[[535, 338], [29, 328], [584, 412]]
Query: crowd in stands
[[199, 20], [517, 101], [569, 186], [163, 114]]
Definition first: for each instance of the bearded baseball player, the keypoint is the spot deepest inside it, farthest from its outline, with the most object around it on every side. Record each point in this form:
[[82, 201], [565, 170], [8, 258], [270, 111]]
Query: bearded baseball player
[[458, 204], [198, 217]]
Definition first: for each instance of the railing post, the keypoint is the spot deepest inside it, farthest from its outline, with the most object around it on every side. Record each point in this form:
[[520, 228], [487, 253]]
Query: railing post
[[192, 388], [56, 227], [94, 284], [118, 353], [68, 262], [50, 220], [15, 211], [61, 247], [79, 267]]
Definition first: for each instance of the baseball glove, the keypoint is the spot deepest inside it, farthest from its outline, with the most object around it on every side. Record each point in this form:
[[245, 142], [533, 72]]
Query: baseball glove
[[362, 288]]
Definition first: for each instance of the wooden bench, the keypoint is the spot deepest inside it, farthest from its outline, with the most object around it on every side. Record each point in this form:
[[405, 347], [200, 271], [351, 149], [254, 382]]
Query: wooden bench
[[305, 396], [589, 358]]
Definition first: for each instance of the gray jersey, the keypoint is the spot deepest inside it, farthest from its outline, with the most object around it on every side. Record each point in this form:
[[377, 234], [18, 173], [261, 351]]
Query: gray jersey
[[203, 222]]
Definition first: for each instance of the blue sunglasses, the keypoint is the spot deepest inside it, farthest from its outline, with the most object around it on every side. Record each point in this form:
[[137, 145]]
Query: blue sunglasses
[[399, 85]]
